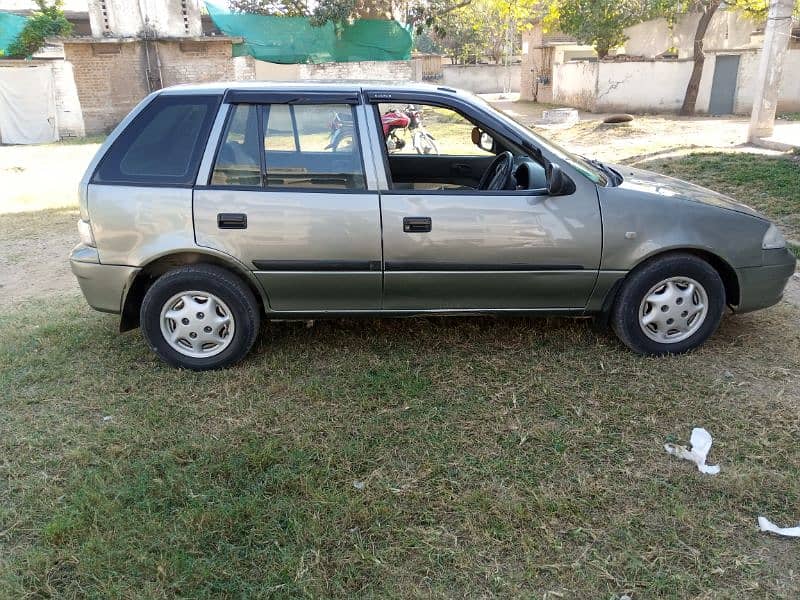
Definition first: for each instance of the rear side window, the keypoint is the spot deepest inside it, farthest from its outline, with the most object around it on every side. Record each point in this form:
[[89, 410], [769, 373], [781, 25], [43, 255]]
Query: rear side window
[[163, 145], [304, 146]]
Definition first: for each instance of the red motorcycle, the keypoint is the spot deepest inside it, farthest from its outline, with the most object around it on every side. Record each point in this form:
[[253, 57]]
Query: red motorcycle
[[409, 118]]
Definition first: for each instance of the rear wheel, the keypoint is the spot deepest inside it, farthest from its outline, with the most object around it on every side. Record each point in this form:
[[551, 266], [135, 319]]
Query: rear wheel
[[200, 317], [669, 305]]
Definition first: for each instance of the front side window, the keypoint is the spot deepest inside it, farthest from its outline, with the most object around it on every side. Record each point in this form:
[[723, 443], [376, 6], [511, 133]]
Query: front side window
[[162, 145], [304, 146], [426, 129]]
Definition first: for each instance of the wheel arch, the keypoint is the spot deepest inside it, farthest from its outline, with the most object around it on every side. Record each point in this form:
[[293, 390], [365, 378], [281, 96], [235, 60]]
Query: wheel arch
[[730, 280], [129, 317]]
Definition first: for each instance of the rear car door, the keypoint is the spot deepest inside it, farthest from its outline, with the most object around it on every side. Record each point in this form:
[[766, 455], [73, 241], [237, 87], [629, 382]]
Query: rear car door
[[292, 201]]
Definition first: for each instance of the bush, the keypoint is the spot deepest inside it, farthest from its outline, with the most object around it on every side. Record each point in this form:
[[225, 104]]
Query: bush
[[48, 21]]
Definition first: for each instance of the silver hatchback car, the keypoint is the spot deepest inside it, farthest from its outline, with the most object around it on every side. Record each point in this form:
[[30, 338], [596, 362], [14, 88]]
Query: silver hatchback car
[[211, 207]]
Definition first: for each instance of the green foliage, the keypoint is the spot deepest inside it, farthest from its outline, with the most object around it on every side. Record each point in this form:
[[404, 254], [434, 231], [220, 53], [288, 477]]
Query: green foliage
[[335, 11], [47, 21], [600, 23], [489, 28], [284, 8]]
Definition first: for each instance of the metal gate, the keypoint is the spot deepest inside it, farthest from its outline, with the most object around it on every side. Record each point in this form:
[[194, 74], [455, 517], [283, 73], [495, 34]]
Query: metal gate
[[723, 86]]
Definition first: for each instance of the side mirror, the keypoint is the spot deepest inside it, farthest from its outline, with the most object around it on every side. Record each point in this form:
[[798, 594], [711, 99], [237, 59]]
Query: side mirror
[[558, 184], [482, 139]]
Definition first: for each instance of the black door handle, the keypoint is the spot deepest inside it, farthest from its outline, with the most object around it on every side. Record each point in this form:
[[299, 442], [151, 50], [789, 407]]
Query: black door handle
[[232, 221], [416, 224]]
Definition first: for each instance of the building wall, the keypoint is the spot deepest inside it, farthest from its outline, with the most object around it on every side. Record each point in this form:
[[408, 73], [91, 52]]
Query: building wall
[[110, 76], [575, 84], [628, 86], [482, 79], [68, 105], [391, 70], [109, 85], [129, 18], [728, 29], [789, 94]]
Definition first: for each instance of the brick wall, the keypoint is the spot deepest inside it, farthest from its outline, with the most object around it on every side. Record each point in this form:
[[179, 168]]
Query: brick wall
[[109, 84], [111, 76], [385, 70]]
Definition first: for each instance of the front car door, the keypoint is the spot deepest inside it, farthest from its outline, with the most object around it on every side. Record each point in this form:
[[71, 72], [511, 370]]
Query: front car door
[[292, 201], [449, 246]]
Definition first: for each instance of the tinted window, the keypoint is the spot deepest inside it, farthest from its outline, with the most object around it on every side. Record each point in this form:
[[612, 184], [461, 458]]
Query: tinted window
[[311, 146], [163, 144], [239, 160]]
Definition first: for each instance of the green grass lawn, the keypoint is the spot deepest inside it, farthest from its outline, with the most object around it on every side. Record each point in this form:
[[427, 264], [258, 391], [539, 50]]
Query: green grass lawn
[[473, 458], [401, 458]]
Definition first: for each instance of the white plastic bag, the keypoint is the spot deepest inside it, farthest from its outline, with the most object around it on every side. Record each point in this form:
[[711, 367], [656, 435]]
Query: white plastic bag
[[701, 445]]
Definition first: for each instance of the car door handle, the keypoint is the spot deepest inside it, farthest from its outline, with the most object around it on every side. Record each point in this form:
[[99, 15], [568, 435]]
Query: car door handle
[[416, 224], [461, 169], [232, 221]]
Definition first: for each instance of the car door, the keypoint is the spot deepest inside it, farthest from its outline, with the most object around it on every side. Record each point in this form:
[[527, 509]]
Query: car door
[[294, 207], [466, 249]]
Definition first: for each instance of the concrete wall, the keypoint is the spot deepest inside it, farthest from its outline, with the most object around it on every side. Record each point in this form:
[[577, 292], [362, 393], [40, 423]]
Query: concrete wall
[[789, 94], [387, 70], [575, 84], [482, 79], [728, 29], [110, 76], [68, 105], [128, 18], [659, 86], [655, 86]]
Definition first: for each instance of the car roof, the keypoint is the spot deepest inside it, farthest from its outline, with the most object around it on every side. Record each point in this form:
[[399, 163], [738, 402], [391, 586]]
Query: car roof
[[316, 85]]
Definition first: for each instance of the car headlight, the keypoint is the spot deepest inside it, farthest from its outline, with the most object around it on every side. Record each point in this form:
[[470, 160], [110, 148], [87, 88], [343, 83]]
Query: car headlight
[[773, 239], [86, 234]]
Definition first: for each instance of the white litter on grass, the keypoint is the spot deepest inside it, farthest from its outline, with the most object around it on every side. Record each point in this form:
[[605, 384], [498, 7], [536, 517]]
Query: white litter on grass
[[701, 445], [764, 524], [107, 418], [359, 485]]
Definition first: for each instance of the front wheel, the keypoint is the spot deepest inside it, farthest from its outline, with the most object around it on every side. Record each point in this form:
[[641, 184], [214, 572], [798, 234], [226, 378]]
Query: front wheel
[[200, 317], [669, 305]]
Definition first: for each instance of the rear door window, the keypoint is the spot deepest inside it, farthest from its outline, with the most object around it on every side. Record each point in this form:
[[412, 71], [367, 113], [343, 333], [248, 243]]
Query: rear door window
[[312, 146], [303, 146], [163, 145]]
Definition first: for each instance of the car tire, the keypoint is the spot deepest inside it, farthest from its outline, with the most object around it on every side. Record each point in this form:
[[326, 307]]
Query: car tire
[[200, 317], [669, 305]]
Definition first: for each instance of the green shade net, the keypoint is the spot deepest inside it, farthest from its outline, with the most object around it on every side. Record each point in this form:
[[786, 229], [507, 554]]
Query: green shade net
[[10, 28], [292, 40]]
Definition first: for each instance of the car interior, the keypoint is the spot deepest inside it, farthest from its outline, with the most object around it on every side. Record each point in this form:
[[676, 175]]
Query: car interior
[[467, 157]]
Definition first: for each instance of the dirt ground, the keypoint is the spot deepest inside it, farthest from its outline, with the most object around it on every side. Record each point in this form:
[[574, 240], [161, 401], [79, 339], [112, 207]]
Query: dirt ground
[[38, 205]]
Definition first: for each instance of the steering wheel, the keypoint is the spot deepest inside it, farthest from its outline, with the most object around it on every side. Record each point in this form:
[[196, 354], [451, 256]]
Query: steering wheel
[[498, 173]]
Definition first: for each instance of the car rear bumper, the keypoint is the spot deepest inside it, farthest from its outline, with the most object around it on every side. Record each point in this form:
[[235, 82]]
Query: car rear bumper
[[103, 286], [763, 286]]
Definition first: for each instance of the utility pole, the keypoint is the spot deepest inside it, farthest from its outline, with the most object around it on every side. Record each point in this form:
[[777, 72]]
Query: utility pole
[[776, 42]]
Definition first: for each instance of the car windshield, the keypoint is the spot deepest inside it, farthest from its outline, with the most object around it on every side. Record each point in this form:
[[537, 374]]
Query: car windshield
[[590, 171]]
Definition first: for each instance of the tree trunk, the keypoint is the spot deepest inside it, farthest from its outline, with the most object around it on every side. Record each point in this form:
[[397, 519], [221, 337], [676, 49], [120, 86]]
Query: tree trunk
[[690, 99]]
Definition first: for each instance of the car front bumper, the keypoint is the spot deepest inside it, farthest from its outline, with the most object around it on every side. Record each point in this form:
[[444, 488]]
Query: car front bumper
[[763, 286], [103, 286]]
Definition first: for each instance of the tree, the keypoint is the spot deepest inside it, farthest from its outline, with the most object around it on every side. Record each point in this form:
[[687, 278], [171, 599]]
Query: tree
[[755, 9], [460, 36], [488, 28], [47, 21], [284, 8], [600, 23]]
